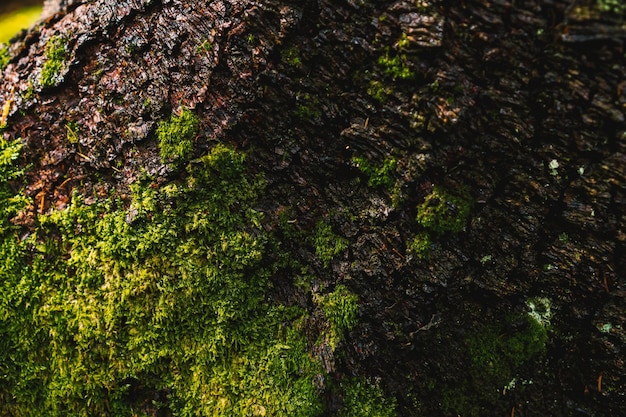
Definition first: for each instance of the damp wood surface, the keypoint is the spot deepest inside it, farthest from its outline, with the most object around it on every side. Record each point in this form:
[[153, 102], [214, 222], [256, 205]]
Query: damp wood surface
[[507, 118]]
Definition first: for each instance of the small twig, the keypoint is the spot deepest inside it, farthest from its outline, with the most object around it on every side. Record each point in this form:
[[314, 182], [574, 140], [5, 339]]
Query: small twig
[[83, 155], [397, 253], [65, 182], [6, 109], [42, 203], [434, 321]]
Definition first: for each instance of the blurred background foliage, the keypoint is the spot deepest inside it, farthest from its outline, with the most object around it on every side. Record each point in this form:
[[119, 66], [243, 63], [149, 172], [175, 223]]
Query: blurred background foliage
[[17, 15]]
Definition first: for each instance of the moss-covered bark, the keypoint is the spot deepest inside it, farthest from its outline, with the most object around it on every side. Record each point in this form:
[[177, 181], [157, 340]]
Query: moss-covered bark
[[429, 218]]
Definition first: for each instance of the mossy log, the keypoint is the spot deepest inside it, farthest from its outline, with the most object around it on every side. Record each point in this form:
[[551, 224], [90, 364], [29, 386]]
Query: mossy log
[[505, 119]]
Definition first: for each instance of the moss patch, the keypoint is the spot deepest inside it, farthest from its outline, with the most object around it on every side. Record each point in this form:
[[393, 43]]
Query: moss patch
[[307, 107], [497, 353], [498, 350], [396, 66], [443, 211], [615, 6], [54, 55], [291, 56], [419, 246], [327, 244], [377, 175], [10, 204], [108, 310], [4, 56], [176, 135], [341, 310], [365, 399], [379, 91]]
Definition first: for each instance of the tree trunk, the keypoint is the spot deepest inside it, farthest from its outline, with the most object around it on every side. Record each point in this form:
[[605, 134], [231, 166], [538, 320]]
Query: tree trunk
[[459, 166]]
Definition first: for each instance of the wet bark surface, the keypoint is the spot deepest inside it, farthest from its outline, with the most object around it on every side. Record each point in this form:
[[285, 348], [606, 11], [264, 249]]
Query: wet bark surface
[[518, 103]]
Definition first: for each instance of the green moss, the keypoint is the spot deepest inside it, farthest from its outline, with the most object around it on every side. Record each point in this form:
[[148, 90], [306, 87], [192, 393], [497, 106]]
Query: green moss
[[497, 353], [14, 292], [286, 222], [304, 111], [176, 136], [327, 244], [419, 246], [204, 47], [10, 204], [365, 399], [4, 56], [443, 211], [615, 6], [460, 398], [378, 91], [55, 56], [341, 310], [30, 92], [403, 42], [396, 66], [307, 107], [105, 306], [291, 56], [377, 175], [72, 132]]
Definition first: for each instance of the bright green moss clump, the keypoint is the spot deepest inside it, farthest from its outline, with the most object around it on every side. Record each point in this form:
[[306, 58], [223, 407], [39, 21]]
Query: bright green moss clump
[[396, 66], [377, 175], [10, 204], [107, 310], [55, 55], [443, 211], [341, 310], [4, 56], [176, 135], [419, 246], [440, 212]]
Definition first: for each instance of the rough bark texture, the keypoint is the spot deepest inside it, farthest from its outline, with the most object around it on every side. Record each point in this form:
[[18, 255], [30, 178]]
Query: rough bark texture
[[518, 104]]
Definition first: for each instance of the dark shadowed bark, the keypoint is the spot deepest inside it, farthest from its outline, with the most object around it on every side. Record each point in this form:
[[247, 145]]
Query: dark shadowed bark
[[364, 114]]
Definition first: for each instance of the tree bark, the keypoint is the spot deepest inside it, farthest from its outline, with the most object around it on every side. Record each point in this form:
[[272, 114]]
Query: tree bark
[[515, 108]]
